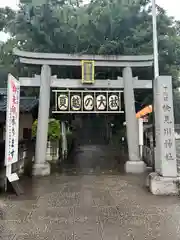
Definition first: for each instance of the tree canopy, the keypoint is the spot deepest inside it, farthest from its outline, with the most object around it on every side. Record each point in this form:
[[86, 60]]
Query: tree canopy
[[99, 27]]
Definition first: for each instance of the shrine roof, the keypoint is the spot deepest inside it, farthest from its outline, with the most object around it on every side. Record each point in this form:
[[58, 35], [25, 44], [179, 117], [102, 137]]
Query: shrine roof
[[3, 91], [26, 103]]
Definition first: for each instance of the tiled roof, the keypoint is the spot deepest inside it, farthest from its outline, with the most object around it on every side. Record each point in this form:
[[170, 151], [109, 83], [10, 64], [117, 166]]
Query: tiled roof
[[26, 103], [3, 91]]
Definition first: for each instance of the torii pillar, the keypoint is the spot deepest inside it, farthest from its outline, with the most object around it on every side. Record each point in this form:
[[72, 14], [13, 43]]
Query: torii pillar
[[41, 167], [134, 164]]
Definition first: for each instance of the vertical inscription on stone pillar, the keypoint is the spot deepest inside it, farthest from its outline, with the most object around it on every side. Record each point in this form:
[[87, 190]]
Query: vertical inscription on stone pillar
[[167, 136]]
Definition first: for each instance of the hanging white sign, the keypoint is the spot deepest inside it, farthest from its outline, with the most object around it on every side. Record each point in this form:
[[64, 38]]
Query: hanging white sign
[[63, 102], [70, 101], [88, 102], [12, 121], [101, 102], [76, 102], [114, 102]]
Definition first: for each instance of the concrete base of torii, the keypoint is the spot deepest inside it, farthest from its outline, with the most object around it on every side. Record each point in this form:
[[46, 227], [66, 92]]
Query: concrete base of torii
[[42, 169], [159, 185], [135, 167]]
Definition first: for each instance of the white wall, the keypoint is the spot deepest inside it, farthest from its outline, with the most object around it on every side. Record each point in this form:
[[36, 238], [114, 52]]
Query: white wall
[[25, 121]]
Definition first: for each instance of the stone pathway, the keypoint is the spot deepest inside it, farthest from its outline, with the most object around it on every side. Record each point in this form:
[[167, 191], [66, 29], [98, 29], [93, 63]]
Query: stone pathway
[[96, 158], [104, 207]]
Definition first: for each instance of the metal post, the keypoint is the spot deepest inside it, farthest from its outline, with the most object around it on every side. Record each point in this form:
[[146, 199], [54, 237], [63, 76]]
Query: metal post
[[155, 40], [156, 74]]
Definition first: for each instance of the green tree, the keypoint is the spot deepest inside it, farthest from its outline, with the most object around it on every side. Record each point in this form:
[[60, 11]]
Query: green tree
[[6, 16], [101, 27]]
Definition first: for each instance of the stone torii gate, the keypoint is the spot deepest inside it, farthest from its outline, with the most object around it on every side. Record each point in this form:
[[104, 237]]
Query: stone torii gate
[[45, 81]]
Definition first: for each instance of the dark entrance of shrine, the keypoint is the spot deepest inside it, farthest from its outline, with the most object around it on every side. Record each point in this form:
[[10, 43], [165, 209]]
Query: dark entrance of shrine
[[92, 129], [94, 151]]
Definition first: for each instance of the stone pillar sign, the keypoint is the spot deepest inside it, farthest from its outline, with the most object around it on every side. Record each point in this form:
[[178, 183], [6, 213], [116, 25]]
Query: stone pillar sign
[[166, 144], [164, 181]]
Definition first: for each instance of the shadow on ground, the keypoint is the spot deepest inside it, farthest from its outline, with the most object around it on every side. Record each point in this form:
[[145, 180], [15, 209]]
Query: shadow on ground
[[95, 159]]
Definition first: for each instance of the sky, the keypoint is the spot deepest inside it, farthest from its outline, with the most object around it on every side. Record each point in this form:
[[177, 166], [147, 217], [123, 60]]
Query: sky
[[171, 6]]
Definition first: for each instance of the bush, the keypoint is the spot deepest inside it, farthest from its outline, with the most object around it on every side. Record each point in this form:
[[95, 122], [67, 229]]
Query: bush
[[54, 129]]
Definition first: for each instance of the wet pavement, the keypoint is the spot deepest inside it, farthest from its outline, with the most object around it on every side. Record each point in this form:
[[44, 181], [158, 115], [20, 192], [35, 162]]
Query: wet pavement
[[96, 159], [100, 206]]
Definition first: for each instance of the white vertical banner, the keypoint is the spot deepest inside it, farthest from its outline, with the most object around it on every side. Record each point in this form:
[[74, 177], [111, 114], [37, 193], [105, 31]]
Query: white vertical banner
[[140, 124], [12, 121], [141, 136]]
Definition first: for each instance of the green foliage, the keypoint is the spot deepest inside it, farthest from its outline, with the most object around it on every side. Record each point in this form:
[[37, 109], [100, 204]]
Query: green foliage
[[34, 128], [54, 131], [177, 106], [101, 27], [6, 16]]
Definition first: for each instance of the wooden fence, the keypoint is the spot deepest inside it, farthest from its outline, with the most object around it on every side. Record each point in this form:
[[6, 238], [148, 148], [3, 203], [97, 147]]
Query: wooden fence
[[148, 146]]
